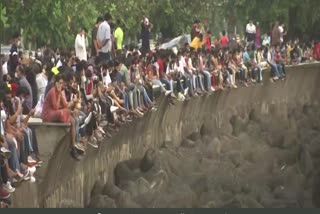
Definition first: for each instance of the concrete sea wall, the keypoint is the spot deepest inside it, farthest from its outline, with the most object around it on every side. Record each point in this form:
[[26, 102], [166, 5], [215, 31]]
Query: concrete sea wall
[[62, 179]]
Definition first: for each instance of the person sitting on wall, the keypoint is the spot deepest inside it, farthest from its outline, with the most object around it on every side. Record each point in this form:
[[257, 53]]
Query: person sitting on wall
[[56, 109]]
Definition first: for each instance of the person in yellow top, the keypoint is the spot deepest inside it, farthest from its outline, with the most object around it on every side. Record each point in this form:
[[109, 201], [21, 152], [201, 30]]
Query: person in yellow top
[[290, 48], [197, 42], [118, 35]]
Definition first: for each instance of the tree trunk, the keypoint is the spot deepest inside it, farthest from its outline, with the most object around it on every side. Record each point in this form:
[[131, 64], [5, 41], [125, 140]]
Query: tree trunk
[[294, 30]]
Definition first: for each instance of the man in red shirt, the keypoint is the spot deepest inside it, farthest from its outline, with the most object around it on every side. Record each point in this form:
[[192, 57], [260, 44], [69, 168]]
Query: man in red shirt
[[224, 39], [208, 41], [317, 51]]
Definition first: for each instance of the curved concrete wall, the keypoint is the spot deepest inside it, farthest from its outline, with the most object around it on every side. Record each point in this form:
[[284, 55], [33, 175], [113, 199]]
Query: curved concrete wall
[[64, 179]]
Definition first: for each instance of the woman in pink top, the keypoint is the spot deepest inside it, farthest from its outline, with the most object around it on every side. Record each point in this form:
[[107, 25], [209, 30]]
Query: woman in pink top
[[56, 109]]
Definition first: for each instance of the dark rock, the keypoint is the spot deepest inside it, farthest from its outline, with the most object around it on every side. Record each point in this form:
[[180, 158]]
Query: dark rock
[[97, 188], [206, 130], [195, 136], [111, 190], [305, 161], [187, 143], [102, 201], [123, 173], [206, 140], [233, 203], [253, 115], [238, 125], [125, 201], [148, 160], [69, 204], [139, 187]]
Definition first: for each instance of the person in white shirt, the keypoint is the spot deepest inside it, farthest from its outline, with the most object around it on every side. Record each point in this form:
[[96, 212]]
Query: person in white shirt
[[80, 45], [251, 31], [282, 33], [42, 81], [104, 39]]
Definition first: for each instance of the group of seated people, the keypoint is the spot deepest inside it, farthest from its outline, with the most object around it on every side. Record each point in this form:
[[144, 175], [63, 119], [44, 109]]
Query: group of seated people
[[97, 99]]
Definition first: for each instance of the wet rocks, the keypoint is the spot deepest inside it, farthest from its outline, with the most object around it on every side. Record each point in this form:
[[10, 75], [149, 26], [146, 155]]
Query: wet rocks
[[267, 162]]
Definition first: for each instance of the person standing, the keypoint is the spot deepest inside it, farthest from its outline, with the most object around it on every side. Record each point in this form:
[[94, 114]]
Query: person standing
[[224, 41], [80, 45], [23, 82], [282, 32], [13, 57], [276, 35], [118, 35], [195, 29], [251, 31], [208, 41], [104, 39], [94, 48], [258, 36], [146, 27]]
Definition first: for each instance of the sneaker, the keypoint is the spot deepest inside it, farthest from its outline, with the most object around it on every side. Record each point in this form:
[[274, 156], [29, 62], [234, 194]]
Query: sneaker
[[31, 160], [79, 147], [173, 96], [75, 154], [93, 142], [186, 92], [100, 129], [7, 187], [4, 194], [32, 179], [167, 93], [180, 97], [139, 112], [5, 153], [104, 123], [213, 89]]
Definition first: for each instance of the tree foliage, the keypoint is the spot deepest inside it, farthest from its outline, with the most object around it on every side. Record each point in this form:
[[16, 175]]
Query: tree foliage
[[56, 22]]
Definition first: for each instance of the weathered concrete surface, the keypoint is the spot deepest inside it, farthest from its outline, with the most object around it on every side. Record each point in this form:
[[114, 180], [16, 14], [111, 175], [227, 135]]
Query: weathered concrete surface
[[65, 180]]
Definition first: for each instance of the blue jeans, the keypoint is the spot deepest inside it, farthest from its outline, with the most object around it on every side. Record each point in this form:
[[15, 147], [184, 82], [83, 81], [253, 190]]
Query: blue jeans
[[158, 82], [195, 82], [201, 81], [207, 78], [242, 75], [146, 98], [258, 72], [166, 82], [187, 81], [280, 70], [77, 125], [14, 163], [29, 138], [126, 100]]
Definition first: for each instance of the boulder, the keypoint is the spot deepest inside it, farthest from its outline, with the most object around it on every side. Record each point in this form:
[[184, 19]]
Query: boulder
[[111, 190], [188, 143], [102, 201], [97, 188], [69, 204], [148, 160]]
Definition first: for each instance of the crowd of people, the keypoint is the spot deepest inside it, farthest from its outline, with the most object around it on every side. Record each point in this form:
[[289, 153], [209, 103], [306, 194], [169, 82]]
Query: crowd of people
[[96, 95]]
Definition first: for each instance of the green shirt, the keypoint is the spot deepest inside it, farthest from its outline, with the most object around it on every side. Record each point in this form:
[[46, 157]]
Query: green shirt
[[125, 75], [118, 34]]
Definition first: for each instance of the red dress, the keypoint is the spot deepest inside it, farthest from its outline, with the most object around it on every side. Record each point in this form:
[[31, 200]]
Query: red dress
[[54, 112]]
